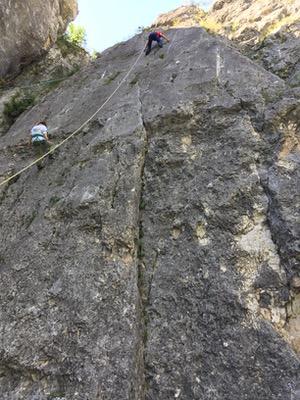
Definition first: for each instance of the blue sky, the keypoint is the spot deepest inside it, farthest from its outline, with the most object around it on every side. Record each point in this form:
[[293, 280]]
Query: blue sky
[[111, 21]]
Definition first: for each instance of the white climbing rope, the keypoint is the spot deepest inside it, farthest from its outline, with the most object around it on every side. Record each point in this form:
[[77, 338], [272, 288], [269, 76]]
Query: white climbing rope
[[78, 129]]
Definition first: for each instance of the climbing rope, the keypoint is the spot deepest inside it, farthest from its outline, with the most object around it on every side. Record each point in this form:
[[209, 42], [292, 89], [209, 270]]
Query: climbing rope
[[78, 129]]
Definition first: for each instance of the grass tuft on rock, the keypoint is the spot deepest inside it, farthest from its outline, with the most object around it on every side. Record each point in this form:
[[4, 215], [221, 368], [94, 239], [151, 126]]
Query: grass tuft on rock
[[112, 77]]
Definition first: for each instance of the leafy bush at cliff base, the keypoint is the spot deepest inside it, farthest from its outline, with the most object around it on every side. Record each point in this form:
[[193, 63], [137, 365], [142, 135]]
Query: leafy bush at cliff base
[[76, 34], [17, 105]]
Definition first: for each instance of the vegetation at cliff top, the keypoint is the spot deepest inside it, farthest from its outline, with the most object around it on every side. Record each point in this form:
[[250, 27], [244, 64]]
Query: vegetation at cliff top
[[276, 26], [76, 34], [73, 41]]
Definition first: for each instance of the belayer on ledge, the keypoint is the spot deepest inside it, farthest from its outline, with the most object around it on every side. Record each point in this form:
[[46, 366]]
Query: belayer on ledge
[[157, 37]]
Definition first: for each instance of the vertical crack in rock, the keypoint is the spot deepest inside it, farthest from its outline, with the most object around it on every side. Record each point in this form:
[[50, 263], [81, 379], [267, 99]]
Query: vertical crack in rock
[[282, 226], [115, 191], [281, 239], [278, 190], [140, 256], [272, 216]]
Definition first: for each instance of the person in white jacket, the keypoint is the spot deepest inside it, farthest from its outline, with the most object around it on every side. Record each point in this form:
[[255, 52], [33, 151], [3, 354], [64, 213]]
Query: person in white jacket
[[40, 141]]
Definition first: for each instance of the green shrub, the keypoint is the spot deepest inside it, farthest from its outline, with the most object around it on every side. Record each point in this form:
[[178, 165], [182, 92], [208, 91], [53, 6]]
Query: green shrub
[[17, 105], [76, 34], [112, 77], [66, 47]]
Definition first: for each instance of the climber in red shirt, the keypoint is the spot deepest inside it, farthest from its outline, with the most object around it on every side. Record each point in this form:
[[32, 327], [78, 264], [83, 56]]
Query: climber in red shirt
[[157, 37]]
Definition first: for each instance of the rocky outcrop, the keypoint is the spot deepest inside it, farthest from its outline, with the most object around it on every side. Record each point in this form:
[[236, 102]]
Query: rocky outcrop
[[184, 16], [279, 53], [157, 255], [28, 29], [38, 79], [265, 31]]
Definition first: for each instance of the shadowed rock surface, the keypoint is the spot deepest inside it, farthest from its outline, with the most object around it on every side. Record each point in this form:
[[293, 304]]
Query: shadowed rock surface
[[38, 79], [28, 29], [157, 255]]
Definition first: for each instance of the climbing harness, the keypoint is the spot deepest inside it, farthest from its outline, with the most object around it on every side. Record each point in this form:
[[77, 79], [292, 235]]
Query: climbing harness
[[38, 136], [78, 129]]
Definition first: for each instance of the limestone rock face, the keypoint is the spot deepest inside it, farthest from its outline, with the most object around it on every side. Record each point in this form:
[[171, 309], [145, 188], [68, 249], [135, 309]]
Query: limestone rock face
[[157, 255], [38, 79], [29, 28], [244, 18], [184, 16], [268, 31]]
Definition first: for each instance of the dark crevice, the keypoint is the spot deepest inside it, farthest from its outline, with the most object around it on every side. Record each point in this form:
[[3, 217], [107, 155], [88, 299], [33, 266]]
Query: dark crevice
[[115, 191], [279, 232], [117, 180], [146, 267], [140, 257], [282, 236]]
